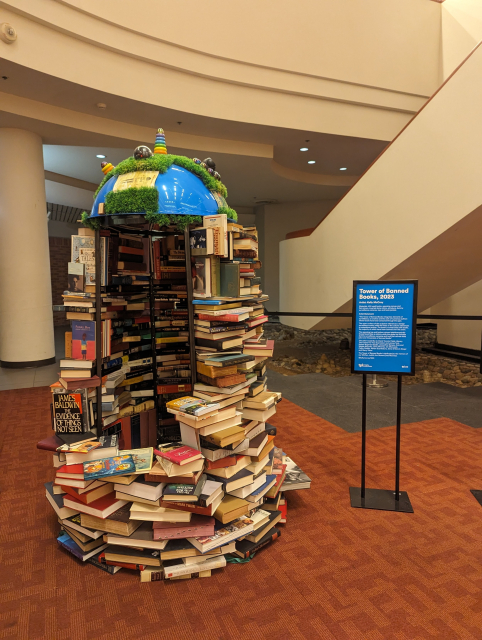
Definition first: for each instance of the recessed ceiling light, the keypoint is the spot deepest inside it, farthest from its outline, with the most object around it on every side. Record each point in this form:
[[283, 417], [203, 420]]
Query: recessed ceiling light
[[311, 161], [99, 155], [304, 149], [342, 168]]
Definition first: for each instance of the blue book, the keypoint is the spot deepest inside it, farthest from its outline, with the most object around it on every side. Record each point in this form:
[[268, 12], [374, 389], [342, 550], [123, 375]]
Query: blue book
[[209, 301], [264, 488], [69, 545], [106, 467]]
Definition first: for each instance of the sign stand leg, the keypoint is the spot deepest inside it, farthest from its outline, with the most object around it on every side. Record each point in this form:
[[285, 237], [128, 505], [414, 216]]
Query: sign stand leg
[[399, 421], [364, 436], [381, 499]]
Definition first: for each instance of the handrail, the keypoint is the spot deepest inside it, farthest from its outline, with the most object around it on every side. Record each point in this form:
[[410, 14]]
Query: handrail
[[435, 316], [397, 136]]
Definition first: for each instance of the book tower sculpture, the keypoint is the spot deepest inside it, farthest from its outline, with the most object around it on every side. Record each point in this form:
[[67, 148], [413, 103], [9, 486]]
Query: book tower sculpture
[[165, 459]]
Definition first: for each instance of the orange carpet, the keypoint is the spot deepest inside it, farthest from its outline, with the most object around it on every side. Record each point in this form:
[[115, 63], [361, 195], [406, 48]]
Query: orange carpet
[[336, 572]]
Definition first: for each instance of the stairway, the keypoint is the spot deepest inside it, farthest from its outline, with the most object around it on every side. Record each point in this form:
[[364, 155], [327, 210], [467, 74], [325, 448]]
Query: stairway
[[415, 213]]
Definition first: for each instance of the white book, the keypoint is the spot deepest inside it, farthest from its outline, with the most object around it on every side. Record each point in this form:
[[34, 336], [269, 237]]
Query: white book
[[248, 489], [158, 514], [182, 569]]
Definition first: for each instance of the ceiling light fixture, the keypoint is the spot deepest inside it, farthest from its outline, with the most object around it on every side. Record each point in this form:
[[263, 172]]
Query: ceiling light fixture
[[342, 168], [101, 105], [304, 149], [99, 155], [311, 161]]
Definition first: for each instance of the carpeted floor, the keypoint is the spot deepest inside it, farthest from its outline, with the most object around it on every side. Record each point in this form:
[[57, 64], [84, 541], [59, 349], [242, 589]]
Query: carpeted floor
[[336, 572]]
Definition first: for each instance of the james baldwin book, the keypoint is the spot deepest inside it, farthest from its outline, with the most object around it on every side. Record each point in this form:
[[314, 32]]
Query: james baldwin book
[[69, 412]]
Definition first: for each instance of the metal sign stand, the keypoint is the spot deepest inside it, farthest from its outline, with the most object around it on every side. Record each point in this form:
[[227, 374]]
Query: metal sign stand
[[381, 499], [361, 497]]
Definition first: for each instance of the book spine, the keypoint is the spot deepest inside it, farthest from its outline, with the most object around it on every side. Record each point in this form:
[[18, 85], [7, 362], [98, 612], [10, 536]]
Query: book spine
[[188, 506], [148, 575], [186, 569], [173, 388]]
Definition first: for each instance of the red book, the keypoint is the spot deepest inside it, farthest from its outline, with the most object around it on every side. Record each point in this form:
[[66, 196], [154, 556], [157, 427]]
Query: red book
[[50, 444], [269, 346], [101, 508], [88, 497], [188, 506], [132, 250], [227, 317], [253, 322], [74, 471], [229, 461], [198, 526], [173, 388], [284, 511], [180, 455]]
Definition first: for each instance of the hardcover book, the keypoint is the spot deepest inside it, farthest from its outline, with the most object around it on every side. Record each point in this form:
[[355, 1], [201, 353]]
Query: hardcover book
[[184, 492], [230, 280]]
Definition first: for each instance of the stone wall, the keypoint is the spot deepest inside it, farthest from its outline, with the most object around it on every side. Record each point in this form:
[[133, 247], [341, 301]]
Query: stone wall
[[337, 362]]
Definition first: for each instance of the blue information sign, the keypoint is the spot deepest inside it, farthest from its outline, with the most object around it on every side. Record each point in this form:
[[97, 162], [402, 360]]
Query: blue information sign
[[384, 323]]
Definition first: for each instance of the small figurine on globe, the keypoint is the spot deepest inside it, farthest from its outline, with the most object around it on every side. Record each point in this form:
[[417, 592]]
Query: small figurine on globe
[[141, 152]]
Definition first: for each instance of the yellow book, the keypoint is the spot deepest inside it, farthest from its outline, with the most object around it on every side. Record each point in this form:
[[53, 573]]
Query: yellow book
[[231, 508]]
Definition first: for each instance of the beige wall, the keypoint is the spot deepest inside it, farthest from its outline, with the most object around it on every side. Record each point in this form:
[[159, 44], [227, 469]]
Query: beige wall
[[340, 40], [461, 31], [274, 221], [460, 333], [416, 213], [346, 67]]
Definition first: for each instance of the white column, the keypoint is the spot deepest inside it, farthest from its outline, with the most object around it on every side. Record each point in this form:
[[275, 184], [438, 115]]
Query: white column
[[26, 324]]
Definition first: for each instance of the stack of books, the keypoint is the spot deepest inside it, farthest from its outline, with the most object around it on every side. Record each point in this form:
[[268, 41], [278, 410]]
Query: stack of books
[[130, 498], [171, 512]]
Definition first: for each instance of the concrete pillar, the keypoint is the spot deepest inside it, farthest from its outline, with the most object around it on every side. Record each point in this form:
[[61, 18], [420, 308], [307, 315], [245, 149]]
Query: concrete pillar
[[26, 322]]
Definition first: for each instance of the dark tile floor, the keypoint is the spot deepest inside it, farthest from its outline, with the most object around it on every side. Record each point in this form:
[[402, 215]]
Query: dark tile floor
[[338, 400]]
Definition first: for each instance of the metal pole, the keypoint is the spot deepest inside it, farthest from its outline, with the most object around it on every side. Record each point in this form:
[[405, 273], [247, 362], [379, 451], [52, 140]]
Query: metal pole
[[98, 331], [190, 307], [364, 434], [399, 417], [152, 304]]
